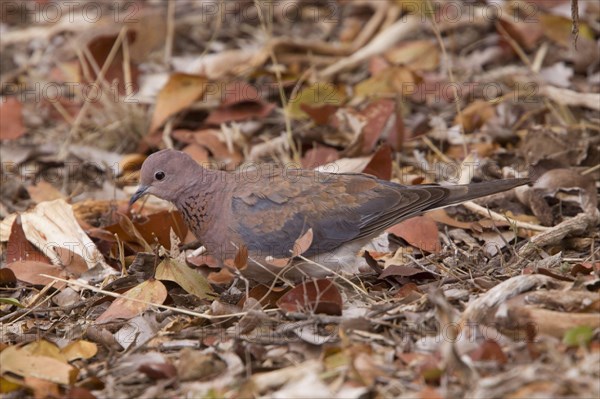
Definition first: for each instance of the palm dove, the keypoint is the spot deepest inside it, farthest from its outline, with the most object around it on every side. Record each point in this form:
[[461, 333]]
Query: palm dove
[[267, 209]]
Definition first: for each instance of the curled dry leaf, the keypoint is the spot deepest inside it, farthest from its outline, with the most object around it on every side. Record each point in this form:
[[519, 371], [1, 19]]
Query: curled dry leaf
[[179, 93], [19, 248], [157, 371], [30, 271], [420, 232], [380, 164], [11, 123], [135, 301], [319, 155], [475, 115], [558, 183], [300, 246], [319, 296], [52, 224], [44, 191], [241, 101], [419, 55], [229, 62], [20, 361], [190, 280], [316, 95], [79, 349], [395, 80], [100, 43]]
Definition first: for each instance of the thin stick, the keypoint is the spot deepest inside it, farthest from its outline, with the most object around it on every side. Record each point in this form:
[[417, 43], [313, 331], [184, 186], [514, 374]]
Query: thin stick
[[438, 36], [284, 102], [177, 310], [170, 31], [473, 207]]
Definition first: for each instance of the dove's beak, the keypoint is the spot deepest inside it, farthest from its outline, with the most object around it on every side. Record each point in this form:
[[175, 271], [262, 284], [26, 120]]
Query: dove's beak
[[141, 191]]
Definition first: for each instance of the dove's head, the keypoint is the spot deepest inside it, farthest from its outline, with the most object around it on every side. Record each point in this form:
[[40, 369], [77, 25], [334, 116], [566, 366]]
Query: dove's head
[[166, 174]]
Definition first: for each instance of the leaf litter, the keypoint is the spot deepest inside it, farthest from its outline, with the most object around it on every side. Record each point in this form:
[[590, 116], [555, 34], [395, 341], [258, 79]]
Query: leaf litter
[[495, 298]]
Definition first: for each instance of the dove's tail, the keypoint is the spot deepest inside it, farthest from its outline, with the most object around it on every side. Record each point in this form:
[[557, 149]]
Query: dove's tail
[[462, 193]]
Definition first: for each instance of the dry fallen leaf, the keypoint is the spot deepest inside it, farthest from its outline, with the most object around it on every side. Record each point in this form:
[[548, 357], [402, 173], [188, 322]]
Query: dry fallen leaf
[[20, 361], [135, 301], [420, 232], [318, 94], [180, 273], [179, 93], [319, 296], [11, 122], [52, 224]]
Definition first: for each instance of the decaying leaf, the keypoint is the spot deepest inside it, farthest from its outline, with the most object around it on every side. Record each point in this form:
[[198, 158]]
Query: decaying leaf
[[190, 280], [319, 296], [179, 93], [135, 301]]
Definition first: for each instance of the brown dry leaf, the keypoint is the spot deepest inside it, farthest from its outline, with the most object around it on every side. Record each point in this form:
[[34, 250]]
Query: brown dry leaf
[[221, 153], [419, 55], [128, 232], [239, 112], [242, 101], [241, 258], [475, 115], [18, 248], [144, 295], [42, 388], [267, 297], [319, 296], [181, 91], [157, 371], [44, 191], [198, 153], [11, 122], [7, 277], [300, 246], [420, 232], [180, 273], [302, 243], [316, 95], [510, 307], [380, 164], [30, 271], [489, 350], [319, 155], [221, 277], [100, 45], [230, 62], [377, 116], [559, 29], [53, 224], [149, 229], [565, 185], [73, 263], [20, 361], [158, 226], [391, 81], [525, 32], [441, 216], [321, 114], [79, 349]]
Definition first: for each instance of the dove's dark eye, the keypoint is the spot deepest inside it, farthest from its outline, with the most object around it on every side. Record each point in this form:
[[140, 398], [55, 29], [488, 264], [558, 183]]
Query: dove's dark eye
[[159, 175]]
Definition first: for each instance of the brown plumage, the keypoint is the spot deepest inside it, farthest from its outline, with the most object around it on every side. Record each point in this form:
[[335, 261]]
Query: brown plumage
[[269, 208]]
